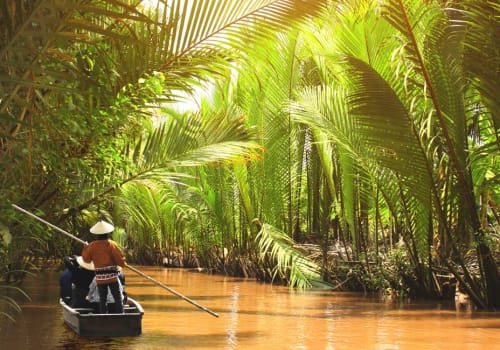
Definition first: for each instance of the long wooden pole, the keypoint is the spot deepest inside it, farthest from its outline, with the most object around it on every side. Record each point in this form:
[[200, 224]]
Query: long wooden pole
[[137, 271]]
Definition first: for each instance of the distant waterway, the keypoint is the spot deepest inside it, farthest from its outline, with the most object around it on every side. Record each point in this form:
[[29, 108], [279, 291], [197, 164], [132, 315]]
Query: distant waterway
[[254, 315]]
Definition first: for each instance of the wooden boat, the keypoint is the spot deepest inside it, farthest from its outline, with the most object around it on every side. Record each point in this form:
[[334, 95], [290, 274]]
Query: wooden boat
[[89, 324]]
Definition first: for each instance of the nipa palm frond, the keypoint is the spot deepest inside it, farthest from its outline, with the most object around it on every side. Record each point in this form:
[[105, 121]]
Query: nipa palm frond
[[234, 23], [194, 140], [482, 53], [301, 271], [386, 128]]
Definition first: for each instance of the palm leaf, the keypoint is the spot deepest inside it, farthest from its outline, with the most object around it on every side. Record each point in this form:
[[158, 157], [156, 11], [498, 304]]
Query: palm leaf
[[325, 110], [178, 143], [146, 210], [386, 128], [438, 67], [302, 272], [232, 23], [265, 83], [138, 43], [192, 141], [482, 56], [369, 124]]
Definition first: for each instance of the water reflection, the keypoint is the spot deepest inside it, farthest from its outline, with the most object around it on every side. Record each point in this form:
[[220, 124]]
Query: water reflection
[[255, 316], [232, 330]]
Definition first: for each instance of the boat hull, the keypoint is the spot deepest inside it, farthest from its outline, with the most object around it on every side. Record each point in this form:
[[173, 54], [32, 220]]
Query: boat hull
[[85, 322]]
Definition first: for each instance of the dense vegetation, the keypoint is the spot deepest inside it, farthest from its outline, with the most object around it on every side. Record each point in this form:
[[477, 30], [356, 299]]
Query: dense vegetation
[[351, 142]]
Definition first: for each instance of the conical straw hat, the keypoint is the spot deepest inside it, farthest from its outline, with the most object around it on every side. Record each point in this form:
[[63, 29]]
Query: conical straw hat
[[101, 228], [85, 265]]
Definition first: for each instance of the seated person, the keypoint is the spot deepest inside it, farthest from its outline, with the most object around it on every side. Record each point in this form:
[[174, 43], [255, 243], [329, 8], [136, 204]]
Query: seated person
[[82, 274], [93, 295]]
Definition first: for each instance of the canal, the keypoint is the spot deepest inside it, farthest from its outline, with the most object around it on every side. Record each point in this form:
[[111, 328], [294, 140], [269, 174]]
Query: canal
[[254, 316]]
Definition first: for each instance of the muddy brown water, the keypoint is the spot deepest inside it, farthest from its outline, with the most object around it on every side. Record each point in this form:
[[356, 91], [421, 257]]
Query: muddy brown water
[[254, 316]]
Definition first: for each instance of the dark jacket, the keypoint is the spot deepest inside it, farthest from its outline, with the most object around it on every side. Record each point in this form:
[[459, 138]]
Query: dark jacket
[[80, 277]]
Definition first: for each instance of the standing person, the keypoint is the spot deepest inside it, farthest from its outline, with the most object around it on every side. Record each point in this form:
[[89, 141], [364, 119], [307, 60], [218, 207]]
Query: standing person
[[93, 296], [106, 256]]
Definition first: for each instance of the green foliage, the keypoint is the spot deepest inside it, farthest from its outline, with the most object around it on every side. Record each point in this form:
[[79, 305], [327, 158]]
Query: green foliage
[[144, 209], [377, 120], [290, 262], [79, 90], [405, 99]]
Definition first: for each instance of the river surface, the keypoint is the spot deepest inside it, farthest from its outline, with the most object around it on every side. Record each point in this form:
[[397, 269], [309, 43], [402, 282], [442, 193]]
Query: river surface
[[253, 315]]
